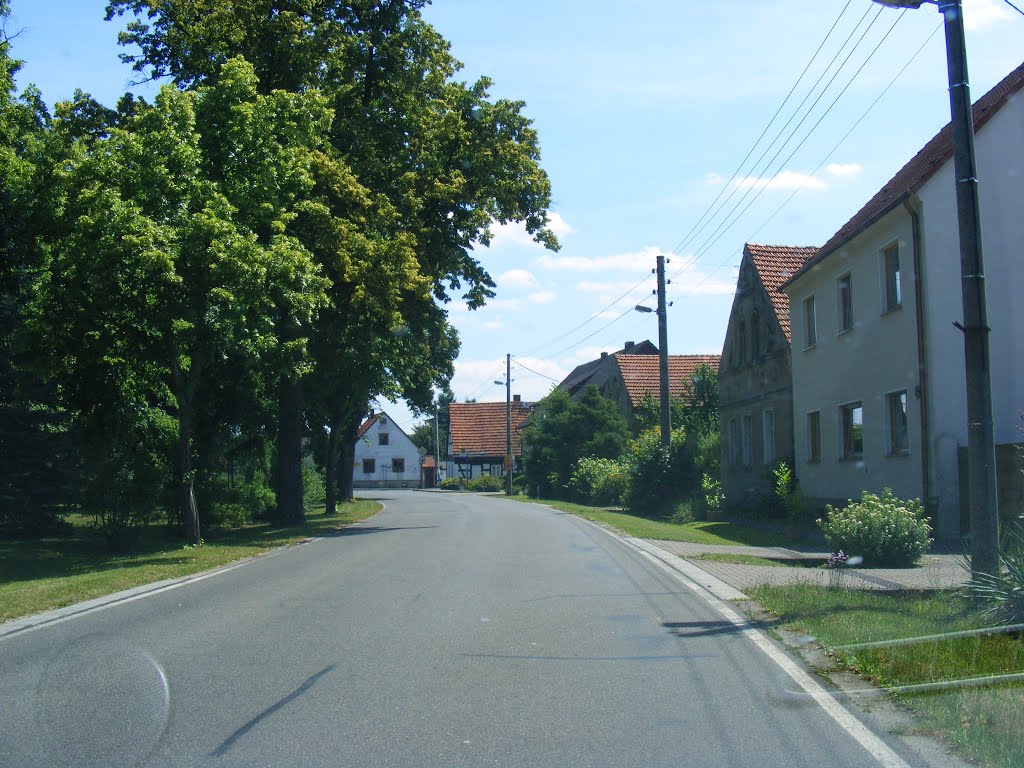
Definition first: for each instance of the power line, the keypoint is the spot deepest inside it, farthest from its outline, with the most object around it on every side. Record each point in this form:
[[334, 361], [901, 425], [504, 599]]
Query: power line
[[538, 373], [1018, 10]]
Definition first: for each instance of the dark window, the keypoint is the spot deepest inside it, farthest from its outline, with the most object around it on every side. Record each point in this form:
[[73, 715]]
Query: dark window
[[768, 436], [893, 286], [810, 323], [896, 405], [369, 466], [382, 438], [814, 437], [734, 443], [844, 303], [748, 457], [852, 417], [398, 465]]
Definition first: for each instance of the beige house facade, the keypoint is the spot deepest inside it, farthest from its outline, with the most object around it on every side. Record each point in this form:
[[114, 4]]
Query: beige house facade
[[878, 364]]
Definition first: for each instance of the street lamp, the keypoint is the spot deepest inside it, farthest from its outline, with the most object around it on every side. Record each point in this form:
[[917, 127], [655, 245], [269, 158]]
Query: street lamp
[[666, 416], [981, 478]]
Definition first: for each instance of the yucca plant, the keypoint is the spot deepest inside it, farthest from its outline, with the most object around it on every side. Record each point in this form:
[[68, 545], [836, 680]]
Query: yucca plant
[[1002, 595]]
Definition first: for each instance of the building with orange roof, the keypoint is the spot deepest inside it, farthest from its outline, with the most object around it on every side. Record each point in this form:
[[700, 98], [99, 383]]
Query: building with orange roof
[[477, 437], [755, 383]]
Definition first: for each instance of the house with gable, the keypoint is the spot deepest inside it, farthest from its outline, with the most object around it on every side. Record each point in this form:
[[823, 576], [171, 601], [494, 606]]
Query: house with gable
[[385, 457], [477, 437], [628, 376], [755, 385], [878, 362]]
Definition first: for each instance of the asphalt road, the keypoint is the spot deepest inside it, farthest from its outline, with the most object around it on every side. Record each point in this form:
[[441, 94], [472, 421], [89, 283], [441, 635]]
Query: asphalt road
[[450, 630]]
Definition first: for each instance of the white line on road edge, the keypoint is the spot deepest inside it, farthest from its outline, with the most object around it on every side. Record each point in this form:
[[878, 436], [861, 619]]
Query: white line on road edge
[[860, 733]]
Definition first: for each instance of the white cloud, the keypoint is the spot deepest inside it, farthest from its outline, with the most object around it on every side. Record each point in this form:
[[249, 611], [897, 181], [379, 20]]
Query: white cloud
[[636, 261], [844, 169], [542, 297], [495, 325], [517, 278], [476, 378], [979, 14], [713, 179], [691, 279], [514, 232], [512, 304], [784, 180]]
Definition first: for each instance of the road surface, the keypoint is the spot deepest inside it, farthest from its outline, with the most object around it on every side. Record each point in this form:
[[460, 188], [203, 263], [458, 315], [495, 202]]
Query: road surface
[[449, 630]]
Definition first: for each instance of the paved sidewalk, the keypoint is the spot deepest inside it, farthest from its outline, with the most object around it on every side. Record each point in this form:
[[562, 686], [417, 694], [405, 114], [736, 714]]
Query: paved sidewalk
[[932, 572]]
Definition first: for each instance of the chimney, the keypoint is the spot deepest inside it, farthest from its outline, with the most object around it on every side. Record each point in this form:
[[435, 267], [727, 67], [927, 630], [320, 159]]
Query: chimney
[[627, 345], [604, 355], [370, 414], [516, 398]]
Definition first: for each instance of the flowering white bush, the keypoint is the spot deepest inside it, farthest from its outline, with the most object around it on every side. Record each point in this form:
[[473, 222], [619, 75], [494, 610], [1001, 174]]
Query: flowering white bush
[[882, 529]]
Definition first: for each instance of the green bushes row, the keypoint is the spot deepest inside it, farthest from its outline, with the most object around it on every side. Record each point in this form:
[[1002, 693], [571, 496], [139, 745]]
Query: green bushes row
[[484, 483]]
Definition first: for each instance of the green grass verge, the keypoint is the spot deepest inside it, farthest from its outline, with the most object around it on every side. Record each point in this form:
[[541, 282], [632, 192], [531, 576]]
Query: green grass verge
[[642, 528], [41, 574], [986, 723]]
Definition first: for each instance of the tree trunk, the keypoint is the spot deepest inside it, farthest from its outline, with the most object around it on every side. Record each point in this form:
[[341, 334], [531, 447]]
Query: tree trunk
[[289, 452], [347, 438], [331, 470], [186, 495]]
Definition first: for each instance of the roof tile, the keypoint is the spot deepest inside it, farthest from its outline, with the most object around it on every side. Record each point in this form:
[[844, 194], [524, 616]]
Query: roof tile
[[479, 428], [776, 264], [642, 373]]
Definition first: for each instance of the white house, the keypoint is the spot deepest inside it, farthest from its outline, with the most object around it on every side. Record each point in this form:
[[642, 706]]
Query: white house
[[878, 365], [385, 457]]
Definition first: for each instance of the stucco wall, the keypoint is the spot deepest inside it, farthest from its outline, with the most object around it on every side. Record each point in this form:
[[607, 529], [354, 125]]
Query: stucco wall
[[877, 356], [399, 446]]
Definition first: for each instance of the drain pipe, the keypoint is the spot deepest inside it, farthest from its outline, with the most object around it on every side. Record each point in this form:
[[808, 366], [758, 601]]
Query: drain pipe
[[915, 226]]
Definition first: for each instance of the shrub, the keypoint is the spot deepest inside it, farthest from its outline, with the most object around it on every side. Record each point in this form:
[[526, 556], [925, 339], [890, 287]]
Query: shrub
[[488, 483], [597, 481], [314, 491], [882, 529], [656, 477], [451, 484], [1002, 596], [796, 505], [683, 512]]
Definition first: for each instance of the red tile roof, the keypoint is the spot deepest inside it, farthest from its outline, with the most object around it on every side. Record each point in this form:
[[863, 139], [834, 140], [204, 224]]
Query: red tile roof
[[479, 428], [641, 373], [921, 167], [428, 462], [776, 264], [367, 424]]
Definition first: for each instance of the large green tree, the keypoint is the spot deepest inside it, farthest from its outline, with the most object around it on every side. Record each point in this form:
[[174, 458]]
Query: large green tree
[[563, 430], [441, 162], [174, 256]]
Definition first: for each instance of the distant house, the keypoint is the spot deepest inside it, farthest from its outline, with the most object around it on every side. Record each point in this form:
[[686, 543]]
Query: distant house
[[755, 387], [627, 376], [878, 365], [385, 457], [477, 437]]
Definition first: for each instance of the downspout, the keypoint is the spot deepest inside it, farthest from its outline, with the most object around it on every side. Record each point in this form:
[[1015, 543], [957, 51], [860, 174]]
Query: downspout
[[915, 226]]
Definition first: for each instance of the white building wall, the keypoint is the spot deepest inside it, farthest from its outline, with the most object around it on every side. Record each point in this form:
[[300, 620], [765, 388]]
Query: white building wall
[[1000, 160], [399, 446], [877, 356]]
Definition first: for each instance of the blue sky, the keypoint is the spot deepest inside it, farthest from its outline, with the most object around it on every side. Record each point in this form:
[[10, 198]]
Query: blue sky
[[645, 111]]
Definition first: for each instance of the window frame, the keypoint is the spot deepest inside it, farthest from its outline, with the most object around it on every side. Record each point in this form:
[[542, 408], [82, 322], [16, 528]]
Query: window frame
[[810, 322], [369, 466], [814, 437], [844, 303], [892, 280], [768, 436], [848, 449], [383, 438], [398, 465], [892, 448]]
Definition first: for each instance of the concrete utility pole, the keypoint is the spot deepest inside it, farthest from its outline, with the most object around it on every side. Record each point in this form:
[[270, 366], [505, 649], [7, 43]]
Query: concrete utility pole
[[437, 446], [509, 459], [981, 445], [666, 414]]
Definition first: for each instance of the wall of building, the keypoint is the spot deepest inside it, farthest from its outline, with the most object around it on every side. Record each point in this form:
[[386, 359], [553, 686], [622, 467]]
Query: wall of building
[[1000, 159], [875, 357], [399, 446], [750, 385]]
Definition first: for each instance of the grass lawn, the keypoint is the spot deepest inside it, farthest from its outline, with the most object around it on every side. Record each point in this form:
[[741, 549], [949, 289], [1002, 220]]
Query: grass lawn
[[725, 557], [40, 574], [986, 722], [642, 528]]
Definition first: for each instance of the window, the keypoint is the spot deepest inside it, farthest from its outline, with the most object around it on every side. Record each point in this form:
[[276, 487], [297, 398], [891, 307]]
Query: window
[[814, 437], [382, 438], [891, 277], [768, 436], [748, 458], [369, 466], [398, 465], [734, 443], [844, 303], [755, 336], [852, 417], [810, 323], [896, 414]]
